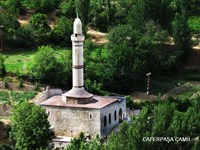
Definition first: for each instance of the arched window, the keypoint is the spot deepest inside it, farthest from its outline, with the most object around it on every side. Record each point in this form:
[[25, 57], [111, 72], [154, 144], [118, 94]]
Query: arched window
[[90, 116], [105, 121], [109, 118], [115, 115], [120, 115]]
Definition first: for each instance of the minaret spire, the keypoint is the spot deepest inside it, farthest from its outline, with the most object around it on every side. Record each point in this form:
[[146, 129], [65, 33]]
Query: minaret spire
[[77, 94], [76, 14]]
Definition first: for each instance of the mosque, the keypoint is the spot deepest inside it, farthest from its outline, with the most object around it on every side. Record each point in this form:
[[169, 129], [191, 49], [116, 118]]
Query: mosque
[[78, 110]]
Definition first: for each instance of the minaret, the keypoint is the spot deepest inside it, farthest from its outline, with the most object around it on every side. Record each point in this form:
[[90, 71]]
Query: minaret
[[77, 94]]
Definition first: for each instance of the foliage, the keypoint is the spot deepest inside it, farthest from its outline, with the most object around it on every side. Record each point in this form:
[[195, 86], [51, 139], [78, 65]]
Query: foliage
[[29, 127], [9, 21], [68, 9], [21, 84], [4, 96], [122, 50], [194, 24], [80, 143], [133, 104], [39, 6], [24, 37], [162, 120], [40, 27], [160, 11], [14, 6], [6, 85], [37, 86], [5, 147], [83, 9], [141, 51], [46, 65], [181, 33], [2, 66], [62, 31], [22, 96], [94, 87]]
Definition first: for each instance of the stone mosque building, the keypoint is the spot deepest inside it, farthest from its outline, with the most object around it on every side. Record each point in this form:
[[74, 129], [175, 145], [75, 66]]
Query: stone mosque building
[[77, 110]]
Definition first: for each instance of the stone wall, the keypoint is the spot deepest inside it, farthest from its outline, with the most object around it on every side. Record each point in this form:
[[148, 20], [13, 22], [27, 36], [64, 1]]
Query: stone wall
[[70, 121], [110, 109], [47, 94]]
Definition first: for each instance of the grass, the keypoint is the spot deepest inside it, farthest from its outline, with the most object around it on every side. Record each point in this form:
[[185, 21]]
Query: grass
[[16, 96], [99, 52], [22, 60], [189, 92], [21, 96], [163, 84]]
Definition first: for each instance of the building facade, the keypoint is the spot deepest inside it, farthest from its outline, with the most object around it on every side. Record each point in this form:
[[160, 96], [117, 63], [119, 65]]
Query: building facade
[[78, 110]]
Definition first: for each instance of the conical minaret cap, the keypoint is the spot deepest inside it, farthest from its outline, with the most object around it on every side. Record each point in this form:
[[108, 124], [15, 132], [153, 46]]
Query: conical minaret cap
[[77, 26]]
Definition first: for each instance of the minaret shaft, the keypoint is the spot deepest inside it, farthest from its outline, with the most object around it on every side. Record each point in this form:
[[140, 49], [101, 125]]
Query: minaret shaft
[[77, 95], [78, 66]]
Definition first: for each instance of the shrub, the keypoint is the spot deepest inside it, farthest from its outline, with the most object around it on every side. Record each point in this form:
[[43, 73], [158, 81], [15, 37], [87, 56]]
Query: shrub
[[21, 84], [2, 67], [22, 96], [6, 85], [40, 27], [4, 96], [5, 147]]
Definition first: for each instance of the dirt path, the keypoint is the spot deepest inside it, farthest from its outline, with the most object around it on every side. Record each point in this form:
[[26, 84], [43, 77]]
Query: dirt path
[[97, 37]]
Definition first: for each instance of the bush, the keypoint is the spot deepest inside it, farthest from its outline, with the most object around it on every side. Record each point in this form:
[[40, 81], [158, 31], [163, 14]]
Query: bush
[[29, 127], [47, 69], [25, 36], [94, 87], [2, 67], [37, 86], [21, 84], [40, 6], [5, 147], [40, 28], [62, 31], [68, 9], [4, 96], [6, 85], [194, 24], [23, 96]]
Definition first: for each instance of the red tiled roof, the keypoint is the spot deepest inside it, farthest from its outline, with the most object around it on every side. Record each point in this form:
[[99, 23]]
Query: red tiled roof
[[98, 102]]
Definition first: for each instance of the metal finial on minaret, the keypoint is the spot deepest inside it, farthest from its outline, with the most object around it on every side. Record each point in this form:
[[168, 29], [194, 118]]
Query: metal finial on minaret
[[76, 14], [77, 94]]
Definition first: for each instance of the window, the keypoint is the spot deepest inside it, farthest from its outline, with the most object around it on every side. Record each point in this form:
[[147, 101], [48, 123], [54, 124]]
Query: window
[[90, 116], [109, 118], [105, 121], [115, 115]]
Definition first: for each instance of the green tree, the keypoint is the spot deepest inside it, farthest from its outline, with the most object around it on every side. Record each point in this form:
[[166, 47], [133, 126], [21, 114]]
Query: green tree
[[68, 9], [83, 8], [2, 67], [181, 32], [29, 127], [159, 11], [14, 6], [40, 27], [80, 143], [124, 58], [62, 31], [45, 66], [39, 6], [9, 21]]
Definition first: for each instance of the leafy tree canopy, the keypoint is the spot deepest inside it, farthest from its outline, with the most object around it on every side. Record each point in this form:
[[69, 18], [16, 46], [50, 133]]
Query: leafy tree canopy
[[29, 127]]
